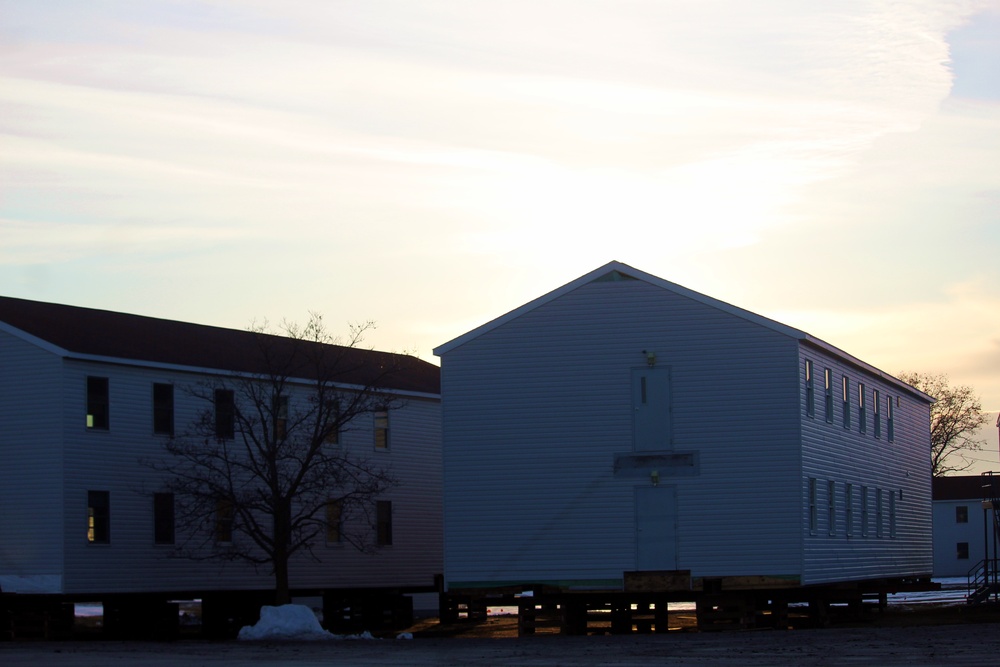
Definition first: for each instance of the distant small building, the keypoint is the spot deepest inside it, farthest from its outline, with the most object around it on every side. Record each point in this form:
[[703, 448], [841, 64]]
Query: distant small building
[[962, 527]]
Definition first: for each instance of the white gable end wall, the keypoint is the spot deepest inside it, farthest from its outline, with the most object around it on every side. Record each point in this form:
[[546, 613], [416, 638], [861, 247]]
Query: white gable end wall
[[30, 468], [537, 407]]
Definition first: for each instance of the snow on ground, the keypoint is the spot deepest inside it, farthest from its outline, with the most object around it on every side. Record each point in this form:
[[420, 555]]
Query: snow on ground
[[954, 590], [293, 622]]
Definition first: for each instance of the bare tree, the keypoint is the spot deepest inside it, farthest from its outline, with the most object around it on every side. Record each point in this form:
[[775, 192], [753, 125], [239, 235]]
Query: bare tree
[[955, 417], [261, 474]]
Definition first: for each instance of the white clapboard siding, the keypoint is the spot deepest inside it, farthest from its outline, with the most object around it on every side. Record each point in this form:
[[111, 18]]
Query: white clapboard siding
[[111, 460], [31, 493], [538, 403], [49, 460], [833, 453]]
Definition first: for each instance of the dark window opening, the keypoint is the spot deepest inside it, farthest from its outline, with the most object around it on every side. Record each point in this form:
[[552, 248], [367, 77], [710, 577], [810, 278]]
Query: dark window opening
[[98, 411], [810, 397], [280, 417], [846, 402], [831, 507], [163, 409], [877, 413], [862, 411], [962, 550], [812, 505], [890, 420], [962, 514], [334, 519], [223, 521], [383, 523], [98, 517], [225, 414], [864, 511], [382, 429], [163, 518], [828, 395], [332, 423]]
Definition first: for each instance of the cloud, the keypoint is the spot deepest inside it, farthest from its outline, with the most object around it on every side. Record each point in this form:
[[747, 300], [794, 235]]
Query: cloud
[[786, 156]]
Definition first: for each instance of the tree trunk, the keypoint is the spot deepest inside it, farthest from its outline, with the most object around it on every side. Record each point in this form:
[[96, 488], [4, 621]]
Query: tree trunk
[[282, 537], [281, 593]]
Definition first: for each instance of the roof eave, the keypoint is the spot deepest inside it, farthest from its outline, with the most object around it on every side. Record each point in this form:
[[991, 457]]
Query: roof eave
[[634, 273], [866, 367], [201, 370]]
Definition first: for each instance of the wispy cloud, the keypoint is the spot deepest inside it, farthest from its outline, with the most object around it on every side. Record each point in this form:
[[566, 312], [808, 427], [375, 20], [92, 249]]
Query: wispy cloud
[[810, 159]]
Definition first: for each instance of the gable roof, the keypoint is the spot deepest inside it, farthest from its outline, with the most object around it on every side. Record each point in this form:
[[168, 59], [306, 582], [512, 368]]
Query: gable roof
[[102, 335], [619, 271]]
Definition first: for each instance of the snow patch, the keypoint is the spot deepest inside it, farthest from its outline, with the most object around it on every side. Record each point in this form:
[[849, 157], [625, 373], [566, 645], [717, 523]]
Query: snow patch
[[292, 622], [289, 621]]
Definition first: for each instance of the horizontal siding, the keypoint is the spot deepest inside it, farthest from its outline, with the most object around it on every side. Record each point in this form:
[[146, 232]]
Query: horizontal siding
[[536, 409], [832, 452], [948, 533], [31, 455], [110, 461]]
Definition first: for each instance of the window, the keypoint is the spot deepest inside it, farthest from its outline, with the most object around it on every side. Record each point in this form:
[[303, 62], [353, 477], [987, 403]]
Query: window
[[877, 413], [878, 512], [812, 506], [98, 416], [862, 413], [225, 414], [831, 507], [864, 511], [382, 429], [163, 518], [828, 395], [810, 407], [890, 421], [962, 550], [223, 521], [892, 514], [98, 517], [962, 514], [331, 420], [280, 416], [163, 409], [334, 519], [849, 509], [383, 523], [847, 402]]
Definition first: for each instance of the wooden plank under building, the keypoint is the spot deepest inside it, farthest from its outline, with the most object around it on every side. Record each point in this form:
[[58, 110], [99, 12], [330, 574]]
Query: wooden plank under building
[[657, 581]]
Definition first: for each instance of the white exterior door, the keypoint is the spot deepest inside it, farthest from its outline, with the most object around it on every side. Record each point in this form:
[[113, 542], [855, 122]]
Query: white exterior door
[[650, 409], [656, 527]]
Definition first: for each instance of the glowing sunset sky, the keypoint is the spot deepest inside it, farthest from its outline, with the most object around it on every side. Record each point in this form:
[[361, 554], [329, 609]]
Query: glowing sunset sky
[[431, 165]]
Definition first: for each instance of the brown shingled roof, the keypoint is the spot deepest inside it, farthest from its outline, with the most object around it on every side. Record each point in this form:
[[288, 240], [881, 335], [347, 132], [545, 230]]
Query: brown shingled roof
[[87, 331], [959, 487]]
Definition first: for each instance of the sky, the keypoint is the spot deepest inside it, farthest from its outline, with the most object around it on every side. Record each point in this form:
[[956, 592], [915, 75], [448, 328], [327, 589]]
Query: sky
[[432, 165]]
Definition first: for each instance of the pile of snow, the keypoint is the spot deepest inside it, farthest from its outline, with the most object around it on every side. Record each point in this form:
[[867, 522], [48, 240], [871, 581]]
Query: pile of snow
[[290, 622]]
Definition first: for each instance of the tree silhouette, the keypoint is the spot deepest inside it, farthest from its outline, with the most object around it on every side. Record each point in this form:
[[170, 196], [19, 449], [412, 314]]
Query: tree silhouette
[[955, 417], [262, 473]]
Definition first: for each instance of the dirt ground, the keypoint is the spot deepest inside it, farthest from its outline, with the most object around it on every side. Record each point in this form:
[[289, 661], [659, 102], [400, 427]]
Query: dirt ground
[[927, 636]]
